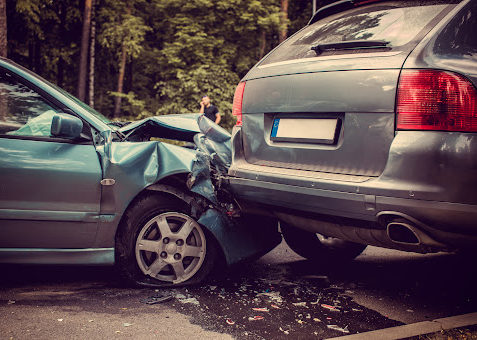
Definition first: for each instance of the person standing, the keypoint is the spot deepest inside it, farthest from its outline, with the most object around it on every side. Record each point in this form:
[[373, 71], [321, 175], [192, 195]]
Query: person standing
[[209, 110]]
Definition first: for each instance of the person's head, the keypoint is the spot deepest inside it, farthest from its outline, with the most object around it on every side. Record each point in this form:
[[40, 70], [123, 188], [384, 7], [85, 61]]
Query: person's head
[[206, 100]]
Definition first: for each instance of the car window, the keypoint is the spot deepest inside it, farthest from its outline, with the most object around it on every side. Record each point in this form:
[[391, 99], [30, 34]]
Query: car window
[[459, 38], [23, 112], [395, 22]]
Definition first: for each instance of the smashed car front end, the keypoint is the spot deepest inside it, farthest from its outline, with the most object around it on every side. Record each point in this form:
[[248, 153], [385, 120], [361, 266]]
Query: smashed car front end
[[193, 175]]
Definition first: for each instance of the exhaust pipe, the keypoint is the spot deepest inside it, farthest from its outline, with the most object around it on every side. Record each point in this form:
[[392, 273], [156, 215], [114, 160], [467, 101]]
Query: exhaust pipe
[[402, 231], [398, 233]]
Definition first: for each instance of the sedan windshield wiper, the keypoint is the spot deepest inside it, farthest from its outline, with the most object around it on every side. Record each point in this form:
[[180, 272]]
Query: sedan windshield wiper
[[350, 45]]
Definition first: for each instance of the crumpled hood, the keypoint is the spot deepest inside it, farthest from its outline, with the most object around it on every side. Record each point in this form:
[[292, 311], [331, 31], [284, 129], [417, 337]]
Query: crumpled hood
[[177, 127]]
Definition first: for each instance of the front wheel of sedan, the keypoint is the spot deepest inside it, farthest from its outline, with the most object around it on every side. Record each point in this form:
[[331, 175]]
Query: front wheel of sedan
[[319, 248], [160, 244]]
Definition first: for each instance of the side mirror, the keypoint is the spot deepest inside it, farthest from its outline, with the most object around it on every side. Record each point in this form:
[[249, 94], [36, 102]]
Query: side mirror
[[66, 126]]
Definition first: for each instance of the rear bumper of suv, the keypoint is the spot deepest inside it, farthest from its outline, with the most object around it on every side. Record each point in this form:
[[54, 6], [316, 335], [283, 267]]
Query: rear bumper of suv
[[441, 202]]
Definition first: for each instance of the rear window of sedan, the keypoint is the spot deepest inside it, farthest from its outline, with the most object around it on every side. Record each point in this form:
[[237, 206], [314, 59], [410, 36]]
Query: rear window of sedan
[[397, 23]]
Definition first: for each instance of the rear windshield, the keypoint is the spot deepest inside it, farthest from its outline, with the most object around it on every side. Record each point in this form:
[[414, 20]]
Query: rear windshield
[[395, 22]]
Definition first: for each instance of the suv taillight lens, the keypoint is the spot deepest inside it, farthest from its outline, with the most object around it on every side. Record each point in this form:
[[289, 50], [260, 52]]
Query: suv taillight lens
[[436, 100], [237, 106]]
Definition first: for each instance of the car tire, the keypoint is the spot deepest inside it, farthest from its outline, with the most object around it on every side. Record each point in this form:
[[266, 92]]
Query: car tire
[[159, 244], [317, 248]]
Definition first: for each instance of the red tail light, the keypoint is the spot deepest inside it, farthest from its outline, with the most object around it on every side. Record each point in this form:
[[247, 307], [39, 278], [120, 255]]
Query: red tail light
[[436, 100], [237, 106]]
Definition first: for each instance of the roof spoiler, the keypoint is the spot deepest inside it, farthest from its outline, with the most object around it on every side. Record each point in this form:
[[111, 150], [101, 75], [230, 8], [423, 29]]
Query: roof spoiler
[[337, 7]]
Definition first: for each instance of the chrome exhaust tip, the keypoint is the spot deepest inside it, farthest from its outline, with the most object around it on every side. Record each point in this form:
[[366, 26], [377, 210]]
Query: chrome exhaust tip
[[403, 233]]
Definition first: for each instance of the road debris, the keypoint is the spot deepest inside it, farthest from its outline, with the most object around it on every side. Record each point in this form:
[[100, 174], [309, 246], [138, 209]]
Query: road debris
[[299, 304], [273, 296], [157, 299], [255, 318], [183, 299], [338, 328], [230, 322], [261, 309], [127, 324], [331, 308], [11, 302]]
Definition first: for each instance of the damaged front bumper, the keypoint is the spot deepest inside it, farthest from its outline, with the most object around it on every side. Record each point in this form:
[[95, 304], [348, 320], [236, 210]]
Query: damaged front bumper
[[147, 165]]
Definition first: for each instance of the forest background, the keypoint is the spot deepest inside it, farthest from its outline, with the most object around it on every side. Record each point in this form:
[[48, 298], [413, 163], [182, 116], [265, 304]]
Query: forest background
[[137, 58]]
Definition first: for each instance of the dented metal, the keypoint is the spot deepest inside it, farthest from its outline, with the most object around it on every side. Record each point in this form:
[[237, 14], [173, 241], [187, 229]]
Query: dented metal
[[142, 165]]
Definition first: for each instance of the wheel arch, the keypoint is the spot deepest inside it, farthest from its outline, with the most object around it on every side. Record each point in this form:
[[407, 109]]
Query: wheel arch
[[175, 187]]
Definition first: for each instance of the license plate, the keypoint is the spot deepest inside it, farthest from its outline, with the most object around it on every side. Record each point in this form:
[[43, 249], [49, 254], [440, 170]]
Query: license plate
[[306, 130]]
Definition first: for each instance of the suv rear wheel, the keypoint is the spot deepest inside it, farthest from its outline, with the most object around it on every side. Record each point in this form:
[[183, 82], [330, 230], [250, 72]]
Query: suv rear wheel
[[319, 248]]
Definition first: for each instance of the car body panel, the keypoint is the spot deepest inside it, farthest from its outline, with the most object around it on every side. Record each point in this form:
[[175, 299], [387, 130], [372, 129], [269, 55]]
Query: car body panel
[[425, 177], [73, 215], [182, 127], [314, 96], [37, 181]]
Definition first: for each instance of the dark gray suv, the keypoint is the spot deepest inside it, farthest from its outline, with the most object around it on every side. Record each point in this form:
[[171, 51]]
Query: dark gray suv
[[362, 129]]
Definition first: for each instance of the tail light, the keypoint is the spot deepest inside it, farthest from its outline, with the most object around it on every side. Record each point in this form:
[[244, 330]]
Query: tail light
[[237, 106], [436, 100]]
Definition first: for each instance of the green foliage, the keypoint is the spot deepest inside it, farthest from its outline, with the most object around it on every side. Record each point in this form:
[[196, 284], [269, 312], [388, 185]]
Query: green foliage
[[178, 50]]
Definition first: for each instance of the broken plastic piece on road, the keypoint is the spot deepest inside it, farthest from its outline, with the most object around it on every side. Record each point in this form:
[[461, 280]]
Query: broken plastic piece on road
[[331, 308], [157, 299], [255, 318], [230, 322], [338, 328], [285, 331], [60, 320], [316, 302], [192, 300], [261, 309], [299, 304], [127, 324], [11, 302]]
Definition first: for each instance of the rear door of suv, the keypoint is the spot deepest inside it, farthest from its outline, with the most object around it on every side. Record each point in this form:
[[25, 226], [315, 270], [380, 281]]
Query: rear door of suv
[[324, 100]]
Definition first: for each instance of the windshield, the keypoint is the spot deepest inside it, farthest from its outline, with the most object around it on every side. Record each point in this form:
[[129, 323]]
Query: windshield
[[395, 22]]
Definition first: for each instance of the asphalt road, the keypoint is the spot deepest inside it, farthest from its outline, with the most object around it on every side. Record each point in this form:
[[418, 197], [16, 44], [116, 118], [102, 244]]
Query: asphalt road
[[280, 296]]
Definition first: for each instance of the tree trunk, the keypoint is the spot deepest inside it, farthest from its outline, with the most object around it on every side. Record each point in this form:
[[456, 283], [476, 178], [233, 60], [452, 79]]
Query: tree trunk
[[122, 70], [3, 53], [262, 44], [3, 28], [92, 57], [282, 35], [84, 50]]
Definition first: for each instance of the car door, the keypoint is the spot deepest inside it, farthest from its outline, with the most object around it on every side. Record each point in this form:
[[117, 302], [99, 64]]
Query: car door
[[49, 187]]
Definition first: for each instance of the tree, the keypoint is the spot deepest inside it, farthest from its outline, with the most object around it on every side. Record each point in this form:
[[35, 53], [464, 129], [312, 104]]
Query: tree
[[92, 46], [283, 21], [85, 36], [3, 28], [156, 56], [123, 33]]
